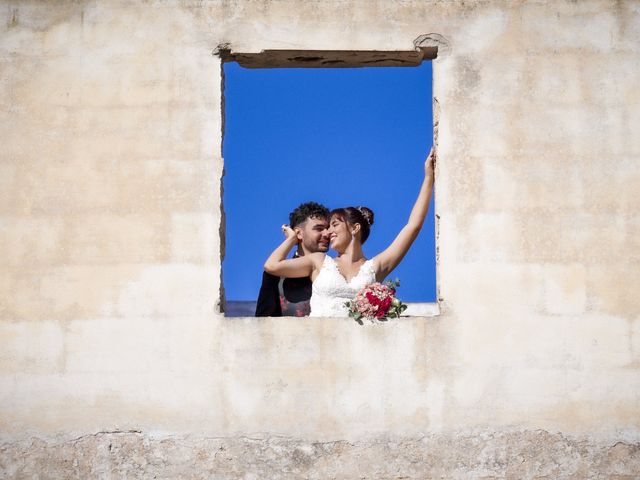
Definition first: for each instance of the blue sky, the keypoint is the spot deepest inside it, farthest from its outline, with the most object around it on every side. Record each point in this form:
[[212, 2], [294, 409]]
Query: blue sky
[[342, 137]]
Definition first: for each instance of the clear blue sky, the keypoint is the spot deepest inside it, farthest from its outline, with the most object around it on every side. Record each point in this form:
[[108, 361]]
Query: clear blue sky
[[342, 137]]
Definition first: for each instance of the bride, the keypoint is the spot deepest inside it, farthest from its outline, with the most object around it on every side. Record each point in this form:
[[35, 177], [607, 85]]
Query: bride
[[336, 281]]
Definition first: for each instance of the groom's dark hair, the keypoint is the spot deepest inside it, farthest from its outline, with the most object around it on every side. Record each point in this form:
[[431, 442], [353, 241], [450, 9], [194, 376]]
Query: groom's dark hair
[[305, 211]]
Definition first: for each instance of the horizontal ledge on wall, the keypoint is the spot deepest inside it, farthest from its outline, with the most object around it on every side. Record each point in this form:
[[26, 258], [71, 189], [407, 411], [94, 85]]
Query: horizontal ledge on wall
[[328, 58], [245, 309], [416, 309]]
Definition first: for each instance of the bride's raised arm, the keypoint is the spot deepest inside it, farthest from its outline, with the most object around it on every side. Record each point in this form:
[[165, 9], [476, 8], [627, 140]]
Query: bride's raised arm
[[278, 264], [389, 259]]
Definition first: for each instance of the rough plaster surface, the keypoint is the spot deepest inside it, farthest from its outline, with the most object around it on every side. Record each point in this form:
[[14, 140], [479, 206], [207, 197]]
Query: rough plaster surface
[[110, 174], [514, 455]]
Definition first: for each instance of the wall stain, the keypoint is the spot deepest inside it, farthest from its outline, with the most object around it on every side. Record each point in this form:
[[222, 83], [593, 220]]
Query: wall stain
[[13, 22]]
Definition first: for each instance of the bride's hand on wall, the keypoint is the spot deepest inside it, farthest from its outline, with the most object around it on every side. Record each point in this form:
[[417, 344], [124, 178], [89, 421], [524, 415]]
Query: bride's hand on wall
[[429, 164], [389, 259]]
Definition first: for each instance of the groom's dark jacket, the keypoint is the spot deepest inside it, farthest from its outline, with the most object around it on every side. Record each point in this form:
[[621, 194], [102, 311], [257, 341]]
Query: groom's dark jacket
[[288, 297]]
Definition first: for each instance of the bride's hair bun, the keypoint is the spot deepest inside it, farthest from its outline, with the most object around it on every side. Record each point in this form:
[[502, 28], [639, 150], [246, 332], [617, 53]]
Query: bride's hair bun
[[367, 213]]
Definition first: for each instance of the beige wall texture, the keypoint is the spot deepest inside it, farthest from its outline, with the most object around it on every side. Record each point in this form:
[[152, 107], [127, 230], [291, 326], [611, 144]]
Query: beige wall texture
[[114, 358]]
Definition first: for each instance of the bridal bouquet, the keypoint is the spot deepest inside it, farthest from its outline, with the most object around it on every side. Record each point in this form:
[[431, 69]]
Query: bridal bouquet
[[377, 300]]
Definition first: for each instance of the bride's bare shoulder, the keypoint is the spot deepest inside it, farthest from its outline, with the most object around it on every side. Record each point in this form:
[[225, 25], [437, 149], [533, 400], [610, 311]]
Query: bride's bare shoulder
[[316, 258]]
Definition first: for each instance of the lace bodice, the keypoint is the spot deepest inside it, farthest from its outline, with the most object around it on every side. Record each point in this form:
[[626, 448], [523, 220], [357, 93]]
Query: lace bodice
[[331, 290]]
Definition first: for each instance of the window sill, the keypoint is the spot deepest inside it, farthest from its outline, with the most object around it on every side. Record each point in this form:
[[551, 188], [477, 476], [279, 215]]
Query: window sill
[[414, 309]]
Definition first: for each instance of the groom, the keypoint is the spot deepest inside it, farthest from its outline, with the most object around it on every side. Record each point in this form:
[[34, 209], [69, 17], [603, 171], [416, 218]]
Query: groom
[[289, 297]]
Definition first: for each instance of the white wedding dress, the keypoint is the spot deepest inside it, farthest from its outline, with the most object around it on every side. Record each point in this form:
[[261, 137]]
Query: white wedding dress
[[330, 290]]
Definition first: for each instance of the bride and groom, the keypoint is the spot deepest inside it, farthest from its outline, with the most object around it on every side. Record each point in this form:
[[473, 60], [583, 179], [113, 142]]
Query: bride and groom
[[316, 284]]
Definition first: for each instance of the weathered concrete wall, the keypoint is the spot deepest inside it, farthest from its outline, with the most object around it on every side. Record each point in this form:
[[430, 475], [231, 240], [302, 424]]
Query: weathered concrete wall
[[110, 171], [500, 455]]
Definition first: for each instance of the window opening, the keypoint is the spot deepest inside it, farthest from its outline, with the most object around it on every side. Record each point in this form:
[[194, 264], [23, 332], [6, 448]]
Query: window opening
[[338, 136]]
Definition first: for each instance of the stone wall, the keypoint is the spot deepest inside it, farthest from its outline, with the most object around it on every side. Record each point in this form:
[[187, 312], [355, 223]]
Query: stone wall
[[114, 357]]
